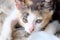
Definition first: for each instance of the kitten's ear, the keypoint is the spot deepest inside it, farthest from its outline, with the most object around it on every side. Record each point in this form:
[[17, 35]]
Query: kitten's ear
[[19, 4]]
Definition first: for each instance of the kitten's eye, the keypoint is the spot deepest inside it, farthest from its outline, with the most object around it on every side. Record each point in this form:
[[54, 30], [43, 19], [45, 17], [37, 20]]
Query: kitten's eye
[[38, 21], [25, 14], [25, 20]]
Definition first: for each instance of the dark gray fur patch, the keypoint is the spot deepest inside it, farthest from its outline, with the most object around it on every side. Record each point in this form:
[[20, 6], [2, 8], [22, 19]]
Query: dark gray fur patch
[[34, 6], [25, 15]]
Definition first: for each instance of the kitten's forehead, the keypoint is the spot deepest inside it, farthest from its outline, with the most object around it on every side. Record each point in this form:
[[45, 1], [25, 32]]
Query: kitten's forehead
[[31, 17], [29, 11]]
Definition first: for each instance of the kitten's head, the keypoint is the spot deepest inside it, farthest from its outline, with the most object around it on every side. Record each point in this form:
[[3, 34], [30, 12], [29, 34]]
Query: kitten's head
[[29, 19], [32, 18]]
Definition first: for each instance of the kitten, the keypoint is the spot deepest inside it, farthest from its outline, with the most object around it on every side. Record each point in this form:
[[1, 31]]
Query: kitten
[[28, 16]]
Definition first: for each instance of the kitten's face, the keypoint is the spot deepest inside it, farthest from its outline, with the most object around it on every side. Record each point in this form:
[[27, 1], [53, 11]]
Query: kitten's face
[[32, 17], [29, 19], [33, 20]]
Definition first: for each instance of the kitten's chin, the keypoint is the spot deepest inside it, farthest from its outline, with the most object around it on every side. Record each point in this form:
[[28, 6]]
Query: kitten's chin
[[28, 31]]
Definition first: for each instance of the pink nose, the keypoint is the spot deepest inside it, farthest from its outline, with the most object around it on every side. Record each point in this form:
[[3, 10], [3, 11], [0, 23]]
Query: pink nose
[[31, 29]]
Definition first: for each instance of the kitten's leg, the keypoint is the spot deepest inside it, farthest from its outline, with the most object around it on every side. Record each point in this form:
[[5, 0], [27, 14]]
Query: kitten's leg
[[7, 29], [11, 21]]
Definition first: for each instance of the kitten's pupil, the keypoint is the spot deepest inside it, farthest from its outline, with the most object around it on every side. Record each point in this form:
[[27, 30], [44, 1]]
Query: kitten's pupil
[[25, 14], [25, 20], [38, 21]]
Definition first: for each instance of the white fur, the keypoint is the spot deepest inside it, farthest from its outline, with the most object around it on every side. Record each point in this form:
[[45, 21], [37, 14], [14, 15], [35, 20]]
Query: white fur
[[42, 36], [6, 29], [30, 23]]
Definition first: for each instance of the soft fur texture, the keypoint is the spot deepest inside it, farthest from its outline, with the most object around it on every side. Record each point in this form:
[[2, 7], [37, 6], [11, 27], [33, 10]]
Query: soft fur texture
[[16, 16]]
